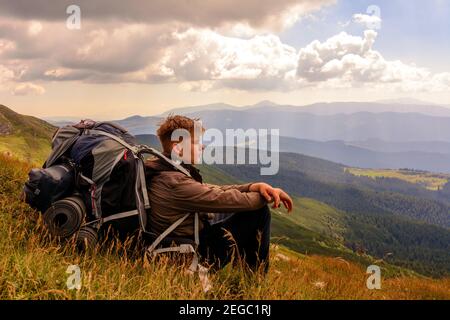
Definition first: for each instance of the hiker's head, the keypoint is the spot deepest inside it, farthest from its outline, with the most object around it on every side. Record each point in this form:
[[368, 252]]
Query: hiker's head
[[181, 136]]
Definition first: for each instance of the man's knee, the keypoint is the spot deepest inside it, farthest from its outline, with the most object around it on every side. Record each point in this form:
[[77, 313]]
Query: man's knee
[[259, 218]]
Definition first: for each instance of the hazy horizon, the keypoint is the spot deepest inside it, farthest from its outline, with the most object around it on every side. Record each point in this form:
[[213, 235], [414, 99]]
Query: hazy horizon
[[101, 117]]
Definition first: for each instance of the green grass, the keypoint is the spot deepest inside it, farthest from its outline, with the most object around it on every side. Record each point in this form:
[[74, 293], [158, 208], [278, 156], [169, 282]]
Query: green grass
[[33, 150], [427, 180], [317, 216], [28, 137]]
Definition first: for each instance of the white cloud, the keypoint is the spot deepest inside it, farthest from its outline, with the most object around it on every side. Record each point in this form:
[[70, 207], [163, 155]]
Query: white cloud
[[34, 28], [8, 82], [344, 24], [368, 21], [6, 75], [200, 55], [345, 60], [28, 88], [6, 45], [336, 56]]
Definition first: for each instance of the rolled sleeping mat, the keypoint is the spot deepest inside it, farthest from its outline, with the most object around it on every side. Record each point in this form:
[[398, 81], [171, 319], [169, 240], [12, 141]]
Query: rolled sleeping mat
[[87, 238], [65, 216]]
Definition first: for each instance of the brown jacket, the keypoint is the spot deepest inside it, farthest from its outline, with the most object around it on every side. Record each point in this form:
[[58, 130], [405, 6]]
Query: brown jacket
[[172, 194]]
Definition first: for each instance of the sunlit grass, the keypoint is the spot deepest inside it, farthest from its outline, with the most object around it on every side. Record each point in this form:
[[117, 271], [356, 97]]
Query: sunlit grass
[[428, 180], [27, 149]]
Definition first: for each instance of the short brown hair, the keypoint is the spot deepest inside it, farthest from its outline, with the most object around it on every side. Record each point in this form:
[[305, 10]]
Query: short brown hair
[[169, 125]]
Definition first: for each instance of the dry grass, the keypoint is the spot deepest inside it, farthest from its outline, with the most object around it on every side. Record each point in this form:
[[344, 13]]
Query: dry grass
[[33, 266]]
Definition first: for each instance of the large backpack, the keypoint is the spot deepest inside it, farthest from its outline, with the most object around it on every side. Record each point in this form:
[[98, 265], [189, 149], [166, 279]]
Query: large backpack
[[93, 176]]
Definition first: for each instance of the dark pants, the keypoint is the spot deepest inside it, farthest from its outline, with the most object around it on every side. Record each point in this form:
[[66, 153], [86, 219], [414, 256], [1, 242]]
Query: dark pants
[[250, 232]]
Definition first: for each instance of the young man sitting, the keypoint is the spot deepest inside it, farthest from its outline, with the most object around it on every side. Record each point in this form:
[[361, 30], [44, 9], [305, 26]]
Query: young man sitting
[[244, 221]]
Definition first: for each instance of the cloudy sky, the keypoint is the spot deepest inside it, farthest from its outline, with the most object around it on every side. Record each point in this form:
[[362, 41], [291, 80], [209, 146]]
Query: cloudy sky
[[144, 57]]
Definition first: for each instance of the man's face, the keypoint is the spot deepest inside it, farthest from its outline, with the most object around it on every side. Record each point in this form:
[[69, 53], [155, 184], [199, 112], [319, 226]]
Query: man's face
[[190, 153], [196, 150], [190, 147]]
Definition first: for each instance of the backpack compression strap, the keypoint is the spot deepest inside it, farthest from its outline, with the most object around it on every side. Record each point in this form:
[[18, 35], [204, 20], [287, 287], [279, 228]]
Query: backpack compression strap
[[156, 153]]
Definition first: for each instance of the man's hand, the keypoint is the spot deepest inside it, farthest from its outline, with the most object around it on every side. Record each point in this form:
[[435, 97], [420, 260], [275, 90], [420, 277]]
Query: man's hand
[[271, 194]]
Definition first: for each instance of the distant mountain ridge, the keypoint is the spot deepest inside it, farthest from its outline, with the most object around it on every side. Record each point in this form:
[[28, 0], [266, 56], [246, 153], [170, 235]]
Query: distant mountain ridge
[[356, 156], [387, 126], [347, 121], [334, 131], [390, 127], [404, 105], [361, 139], [328, 108]]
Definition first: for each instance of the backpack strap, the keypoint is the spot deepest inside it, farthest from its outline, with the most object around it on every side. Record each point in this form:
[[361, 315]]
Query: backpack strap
[[166, 233], [120, 215], [141, 174], [196, 230], [156, 153]]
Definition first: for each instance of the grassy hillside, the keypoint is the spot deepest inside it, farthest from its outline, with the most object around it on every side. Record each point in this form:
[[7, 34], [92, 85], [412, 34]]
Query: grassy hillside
[[24, 136], [32, 266], [427, 180]]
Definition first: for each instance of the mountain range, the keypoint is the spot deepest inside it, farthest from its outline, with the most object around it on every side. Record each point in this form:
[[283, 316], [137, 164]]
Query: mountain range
[[394, 134], [347, 133], [329, 108]]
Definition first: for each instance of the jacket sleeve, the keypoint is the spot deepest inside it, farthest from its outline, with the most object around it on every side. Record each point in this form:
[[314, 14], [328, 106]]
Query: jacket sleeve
[[241, 187], [194, 196]]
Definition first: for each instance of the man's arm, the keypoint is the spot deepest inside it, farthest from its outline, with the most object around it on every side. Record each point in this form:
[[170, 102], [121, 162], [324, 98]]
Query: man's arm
[[190, 195], [271, 194], [241, 187]]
